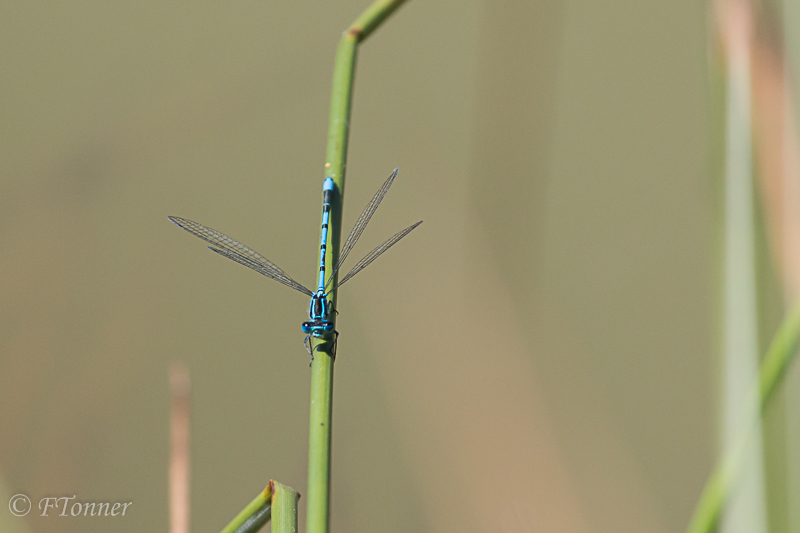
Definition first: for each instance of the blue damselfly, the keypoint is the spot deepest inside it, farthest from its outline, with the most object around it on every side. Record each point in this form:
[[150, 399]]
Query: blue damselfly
[[320, 310]]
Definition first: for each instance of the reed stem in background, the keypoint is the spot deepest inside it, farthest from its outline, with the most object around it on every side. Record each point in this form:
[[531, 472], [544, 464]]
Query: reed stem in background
[[722, 482], [179, 461], [319, 434]]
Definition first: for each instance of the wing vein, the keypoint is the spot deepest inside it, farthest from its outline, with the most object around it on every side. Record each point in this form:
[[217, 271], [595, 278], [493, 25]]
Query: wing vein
[[374, 254], [360, 224], [242, 254]]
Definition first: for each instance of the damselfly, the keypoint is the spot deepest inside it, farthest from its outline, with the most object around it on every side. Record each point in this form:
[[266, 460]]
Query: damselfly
[[320, 310]]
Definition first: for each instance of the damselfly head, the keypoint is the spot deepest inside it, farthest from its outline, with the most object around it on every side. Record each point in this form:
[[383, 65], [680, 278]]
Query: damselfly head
[[317, 327]]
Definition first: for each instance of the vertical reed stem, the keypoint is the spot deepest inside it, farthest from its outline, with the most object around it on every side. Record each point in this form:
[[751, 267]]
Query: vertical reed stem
[[319, 434], [179, 460], [284, 508]]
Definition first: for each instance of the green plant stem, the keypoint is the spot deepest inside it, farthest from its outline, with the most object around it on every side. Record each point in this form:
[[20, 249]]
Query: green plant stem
[[284, 508], [319, 435], [719, 486], [276, 501], [255, 515]]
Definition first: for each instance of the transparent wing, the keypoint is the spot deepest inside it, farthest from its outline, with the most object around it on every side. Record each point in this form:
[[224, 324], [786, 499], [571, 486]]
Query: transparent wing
[[374, 254], [262, 269], [361, 223], [233, 249]]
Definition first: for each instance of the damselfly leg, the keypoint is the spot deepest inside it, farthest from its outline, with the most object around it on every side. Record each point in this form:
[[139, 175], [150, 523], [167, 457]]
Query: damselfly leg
[[310, 347]]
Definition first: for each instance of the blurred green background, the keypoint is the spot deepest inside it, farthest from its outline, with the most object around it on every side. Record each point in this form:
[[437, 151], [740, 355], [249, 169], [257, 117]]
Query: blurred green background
[[541, 349]]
